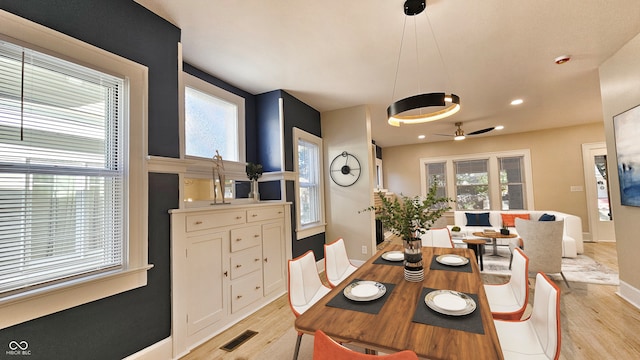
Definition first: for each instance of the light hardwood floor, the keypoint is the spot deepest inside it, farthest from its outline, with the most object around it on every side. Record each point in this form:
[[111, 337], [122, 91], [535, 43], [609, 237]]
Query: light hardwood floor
[[596, 323]]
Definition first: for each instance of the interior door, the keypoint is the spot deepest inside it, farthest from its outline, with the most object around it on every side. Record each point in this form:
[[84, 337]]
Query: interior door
[[598, 199]]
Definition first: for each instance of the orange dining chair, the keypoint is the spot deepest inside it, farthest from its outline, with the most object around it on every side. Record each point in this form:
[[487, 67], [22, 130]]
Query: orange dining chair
[[337, 266], [538, 336], [437, 237], [325, 348], [305, 287], [509, 301]]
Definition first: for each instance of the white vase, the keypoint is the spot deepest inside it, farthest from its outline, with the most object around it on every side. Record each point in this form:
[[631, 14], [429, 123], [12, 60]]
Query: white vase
[[255, 192]]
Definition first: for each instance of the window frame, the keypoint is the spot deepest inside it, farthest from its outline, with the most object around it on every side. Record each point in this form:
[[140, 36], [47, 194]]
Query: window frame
[[494, 175], [23, 306], [319, 226], [207, 88]]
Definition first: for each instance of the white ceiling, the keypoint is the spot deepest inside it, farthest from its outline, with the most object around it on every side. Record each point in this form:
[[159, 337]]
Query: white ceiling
[[334, 54]]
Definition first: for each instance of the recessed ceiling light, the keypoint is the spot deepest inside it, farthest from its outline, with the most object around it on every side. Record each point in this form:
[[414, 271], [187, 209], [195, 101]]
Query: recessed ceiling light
[[499, 127], [421, 136], [517, 102]]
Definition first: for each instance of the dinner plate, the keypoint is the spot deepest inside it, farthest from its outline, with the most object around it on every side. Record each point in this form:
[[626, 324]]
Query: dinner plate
[[393, 256], [364, 290], [450, 302], [452, 260]]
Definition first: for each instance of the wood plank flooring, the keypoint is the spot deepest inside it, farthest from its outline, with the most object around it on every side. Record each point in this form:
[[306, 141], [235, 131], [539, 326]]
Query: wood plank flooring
[[596, 323]]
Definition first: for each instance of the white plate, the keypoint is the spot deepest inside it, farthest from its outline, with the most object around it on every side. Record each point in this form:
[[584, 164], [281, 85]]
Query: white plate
[[452, 260], [450, 302], [393, 256], [364, 290]]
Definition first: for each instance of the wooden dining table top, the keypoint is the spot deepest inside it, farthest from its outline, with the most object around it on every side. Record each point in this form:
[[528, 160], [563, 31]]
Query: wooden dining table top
[[392, 328]]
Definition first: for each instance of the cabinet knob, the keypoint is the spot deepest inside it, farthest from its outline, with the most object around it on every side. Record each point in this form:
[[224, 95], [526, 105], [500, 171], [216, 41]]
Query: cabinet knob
[[256, 235], [280, 212], [198, 222], [254, 215], [266, 259], [256, 259], [239, 266], [257, 287], [226, 273], [238, 217], [239, 239], [239, 297]]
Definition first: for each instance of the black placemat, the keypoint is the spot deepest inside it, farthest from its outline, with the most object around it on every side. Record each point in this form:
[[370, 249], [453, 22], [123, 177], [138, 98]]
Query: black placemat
[[435, 265], [470, 323], [381, 261], [371, 307]]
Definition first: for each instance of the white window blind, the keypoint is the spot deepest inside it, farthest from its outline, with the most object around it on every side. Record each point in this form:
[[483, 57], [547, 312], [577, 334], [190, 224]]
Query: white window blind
[[308, 168], [62, 167]]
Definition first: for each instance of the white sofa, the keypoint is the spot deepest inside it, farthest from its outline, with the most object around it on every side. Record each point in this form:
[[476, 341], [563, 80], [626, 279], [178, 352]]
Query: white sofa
[[571, 240]]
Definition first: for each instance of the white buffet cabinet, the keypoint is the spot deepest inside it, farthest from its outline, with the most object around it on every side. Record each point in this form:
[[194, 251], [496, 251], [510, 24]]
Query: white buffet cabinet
[[227, 262]]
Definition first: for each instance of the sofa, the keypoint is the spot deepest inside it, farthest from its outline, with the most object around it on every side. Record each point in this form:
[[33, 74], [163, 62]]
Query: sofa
[[572, 244]]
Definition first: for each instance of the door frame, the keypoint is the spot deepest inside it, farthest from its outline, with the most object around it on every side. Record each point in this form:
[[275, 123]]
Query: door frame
[[591, 188]]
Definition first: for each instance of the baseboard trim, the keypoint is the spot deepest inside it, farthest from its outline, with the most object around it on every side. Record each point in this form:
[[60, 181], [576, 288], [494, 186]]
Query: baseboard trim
[[629, 293], [162, 350]]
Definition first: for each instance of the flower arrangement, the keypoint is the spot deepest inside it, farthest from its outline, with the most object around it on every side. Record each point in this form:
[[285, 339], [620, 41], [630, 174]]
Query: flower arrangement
[[410, 217], [254, 171]]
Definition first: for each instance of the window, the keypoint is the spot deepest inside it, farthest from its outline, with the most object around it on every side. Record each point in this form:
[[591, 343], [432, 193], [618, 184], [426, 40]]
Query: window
[[436, 172], [213, 120], [72, 179], [472, 184], [512, 183], [490, 181], [308, 162]]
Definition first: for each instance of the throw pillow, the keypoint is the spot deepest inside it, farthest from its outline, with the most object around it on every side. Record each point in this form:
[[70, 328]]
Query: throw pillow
[[547, 217], [478, 219], [509, 220]]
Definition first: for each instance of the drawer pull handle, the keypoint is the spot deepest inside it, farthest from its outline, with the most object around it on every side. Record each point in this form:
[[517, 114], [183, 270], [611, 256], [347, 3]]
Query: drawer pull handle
[[279, 212], [198, 222], [254, 215], [239, 239], [256, 259], [239, 266], [257, 287], [238, 217], [239, 297], [256, 235]]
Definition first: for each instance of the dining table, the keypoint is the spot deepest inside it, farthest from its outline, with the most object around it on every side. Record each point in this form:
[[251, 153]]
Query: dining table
[[401, 319]]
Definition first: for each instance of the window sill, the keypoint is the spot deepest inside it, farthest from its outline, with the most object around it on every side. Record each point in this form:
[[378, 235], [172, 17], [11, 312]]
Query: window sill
[[48, 300], [310, 231]]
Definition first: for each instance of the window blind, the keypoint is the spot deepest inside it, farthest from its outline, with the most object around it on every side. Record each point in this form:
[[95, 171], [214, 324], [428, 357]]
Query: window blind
[[308, 169], [62, 188]]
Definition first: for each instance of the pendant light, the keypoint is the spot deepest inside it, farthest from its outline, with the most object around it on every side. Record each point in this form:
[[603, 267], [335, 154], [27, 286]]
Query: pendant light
[[403, 111]]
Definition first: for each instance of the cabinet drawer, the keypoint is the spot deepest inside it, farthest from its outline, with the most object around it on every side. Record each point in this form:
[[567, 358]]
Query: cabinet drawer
[[208, 221], [245, 237], [245, 291], [267, 213], [246, 261]]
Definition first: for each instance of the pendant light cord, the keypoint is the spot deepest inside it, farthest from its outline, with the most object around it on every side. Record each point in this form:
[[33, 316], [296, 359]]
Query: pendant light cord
[[444, 67], [404, 27]]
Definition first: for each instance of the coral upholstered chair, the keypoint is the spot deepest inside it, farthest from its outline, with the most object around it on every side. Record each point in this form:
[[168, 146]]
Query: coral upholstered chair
[[337, 266], [509, 301], [537, 337], [325, 348], [305, 287]]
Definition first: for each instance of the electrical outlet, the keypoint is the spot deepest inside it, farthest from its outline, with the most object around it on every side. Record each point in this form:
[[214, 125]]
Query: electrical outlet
[[364, 249]]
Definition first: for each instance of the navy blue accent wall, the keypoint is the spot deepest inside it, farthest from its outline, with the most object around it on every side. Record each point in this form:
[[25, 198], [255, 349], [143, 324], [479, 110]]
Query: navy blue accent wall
[[269, 131], [251, 138], [125, 28], [300, 115], [122, 324]]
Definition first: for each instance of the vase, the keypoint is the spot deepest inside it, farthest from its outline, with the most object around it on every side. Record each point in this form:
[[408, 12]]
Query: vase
[[413, 267], [255, 192]]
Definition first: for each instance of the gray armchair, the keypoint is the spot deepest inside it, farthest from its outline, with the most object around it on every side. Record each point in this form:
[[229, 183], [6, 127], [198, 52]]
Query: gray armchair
[[542, 243]]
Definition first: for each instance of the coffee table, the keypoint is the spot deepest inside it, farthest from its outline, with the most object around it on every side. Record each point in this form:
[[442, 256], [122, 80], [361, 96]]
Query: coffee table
[[494, 236]]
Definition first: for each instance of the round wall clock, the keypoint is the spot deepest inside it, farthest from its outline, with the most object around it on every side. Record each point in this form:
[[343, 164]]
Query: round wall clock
[[345, 169]]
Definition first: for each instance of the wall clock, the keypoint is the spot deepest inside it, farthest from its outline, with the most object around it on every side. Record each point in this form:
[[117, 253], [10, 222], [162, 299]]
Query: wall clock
[[345, 169]]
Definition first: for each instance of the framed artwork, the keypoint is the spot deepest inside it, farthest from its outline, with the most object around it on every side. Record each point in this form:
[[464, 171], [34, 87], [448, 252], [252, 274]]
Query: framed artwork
[[626, 127]]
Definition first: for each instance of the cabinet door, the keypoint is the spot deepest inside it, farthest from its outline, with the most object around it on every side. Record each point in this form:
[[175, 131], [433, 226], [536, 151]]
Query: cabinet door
[[205, 274], [273, 256]]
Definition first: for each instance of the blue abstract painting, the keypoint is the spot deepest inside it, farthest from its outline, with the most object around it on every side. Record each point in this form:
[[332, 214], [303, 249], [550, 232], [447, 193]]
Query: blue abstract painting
[[627, 135]]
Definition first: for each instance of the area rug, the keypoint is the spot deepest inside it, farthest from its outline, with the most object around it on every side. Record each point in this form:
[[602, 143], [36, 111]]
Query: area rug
[[580, 269]]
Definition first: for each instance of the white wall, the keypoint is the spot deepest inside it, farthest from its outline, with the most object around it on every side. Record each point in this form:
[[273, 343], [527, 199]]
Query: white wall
[[350, 130], [620, 89]]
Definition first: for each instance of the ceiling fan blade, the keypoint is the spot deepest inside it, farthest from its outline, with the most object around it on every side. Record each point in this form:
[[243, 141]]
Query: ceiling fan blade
[[481, 131], [449, 135]]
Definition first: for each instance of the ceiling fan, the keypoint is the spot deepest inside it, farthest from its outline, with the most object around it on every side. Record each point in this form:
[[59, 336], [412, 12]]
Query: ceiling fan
[[460, 135]]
